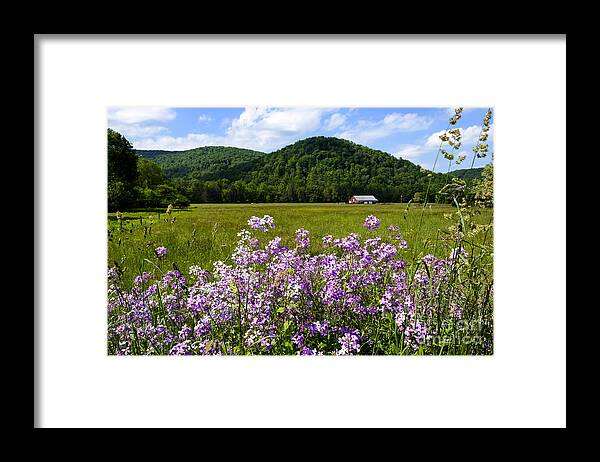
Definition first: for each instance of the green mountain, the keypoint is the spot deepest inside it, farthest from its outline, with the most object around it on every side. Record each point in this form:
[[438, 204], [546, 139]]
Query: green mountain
[[467, 174], [317, 169], [205, 163]]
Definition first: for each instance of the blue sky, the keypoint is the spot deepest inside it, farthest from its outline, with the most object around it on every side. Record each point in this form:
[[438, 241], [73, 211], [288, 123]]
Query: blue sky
[[409, 133]]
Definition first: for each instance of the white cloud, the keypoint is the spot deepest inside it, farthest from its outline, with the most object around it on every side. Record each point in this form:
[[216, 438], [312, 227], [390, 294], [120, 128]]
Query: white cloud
[[411, 151], [262, 129], [267, 129], [136, 122], [204, 118], [469, 135], [277, 120], [182, 143], [335, 121], [366, 131], [138, 131], [434, 139], [135, 115]]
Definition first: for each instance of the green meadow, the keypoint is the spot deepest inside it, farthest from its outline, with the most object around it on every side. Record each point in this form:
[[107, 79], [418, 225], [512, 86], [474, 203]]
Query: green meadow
[[204, 233]]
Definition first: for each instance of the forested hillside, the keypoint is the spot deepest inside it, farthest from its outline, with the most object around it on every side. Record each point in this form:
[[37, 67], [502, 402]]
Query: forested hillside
[[205, 163], [468, 173], [318, 169]]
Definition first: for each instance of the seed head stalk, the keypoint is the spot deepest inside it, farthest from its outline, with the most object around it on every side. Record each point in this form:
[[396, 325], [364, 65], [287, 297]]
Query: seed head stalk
[[443, 138], [489, 112]]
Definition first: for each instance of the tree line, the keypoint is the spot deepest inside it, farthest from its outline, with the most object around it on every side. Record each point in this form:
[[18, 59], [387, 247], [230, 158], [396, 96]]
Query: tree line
[[317, 169], [136, 182]]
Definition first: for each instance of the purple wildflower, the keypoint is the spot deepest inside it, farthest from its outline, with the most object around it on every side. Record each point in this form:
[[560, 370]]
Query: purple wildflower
[[185, 332], [371, 222], [307, 351], [302, 238], [203, 327], [255, 222], [263, 223], [113, 274], [144, 278], [181, 349], [160, 251], [349, 344], [274, 246]]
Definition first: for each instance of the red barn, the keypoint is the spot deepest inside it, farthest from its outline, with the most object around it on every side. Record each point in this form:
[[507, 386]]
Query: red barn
[[363, 200]]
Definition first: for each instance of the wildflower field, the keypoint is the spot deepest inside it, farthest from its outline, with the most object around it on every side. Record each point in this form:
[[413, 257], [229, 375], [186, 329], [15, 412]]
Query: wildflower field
[[307, 279]]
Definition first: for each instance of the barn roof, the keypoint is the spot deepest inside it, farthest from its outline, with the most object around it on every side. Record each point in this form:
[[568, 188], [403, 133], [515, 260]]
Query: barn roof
[[365, 198]]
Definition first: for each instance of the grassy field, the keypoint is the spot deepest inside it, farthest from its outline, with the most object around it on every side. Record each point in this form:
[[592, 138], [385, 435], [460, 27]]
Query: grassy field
[[205, 233]]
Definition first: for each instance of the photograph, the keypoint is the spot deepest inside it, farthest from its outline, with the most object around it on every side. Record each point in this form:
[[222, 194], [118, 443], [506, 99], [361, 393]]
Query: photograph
[[300, 231]]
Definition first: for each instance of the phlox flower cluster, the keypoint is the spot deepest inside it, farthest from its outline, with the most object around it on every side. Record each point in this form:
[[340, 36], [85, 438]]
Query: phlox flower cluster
[[354, 297], [371, 222], [160, 251], [302, 238], [265, 223]]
